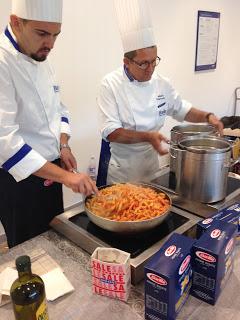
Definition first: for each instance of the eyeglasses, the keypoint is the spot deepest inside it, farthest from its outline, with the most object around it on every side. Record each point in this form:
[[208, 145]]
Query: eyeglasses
[[144, 65]]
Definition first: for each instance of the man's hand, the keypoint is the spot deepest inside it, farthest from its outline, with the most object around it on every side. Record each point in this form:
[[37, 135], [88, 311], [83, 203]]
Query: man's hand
[[80, 182], [195, 115], [214, 121], [158, 140], [68, 160]]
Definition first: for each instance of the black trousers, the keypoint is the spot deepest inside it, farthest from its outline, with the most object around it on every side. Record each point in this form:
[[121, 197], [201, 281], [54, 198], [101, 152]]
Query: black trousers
[[28, 206]]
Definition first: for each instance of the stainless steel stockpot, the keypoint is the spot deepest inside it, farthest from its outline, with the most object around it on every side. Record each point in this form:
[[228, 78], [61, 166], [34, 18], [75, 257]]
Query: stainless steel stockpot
[[183, 131], [129, 227], [203, 171]]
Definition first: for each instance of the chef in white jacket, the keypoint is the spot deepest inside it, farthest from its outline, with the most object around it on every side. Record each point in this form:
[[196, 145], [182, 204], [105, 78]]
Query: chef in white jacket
[[134, 101], [34, 124]]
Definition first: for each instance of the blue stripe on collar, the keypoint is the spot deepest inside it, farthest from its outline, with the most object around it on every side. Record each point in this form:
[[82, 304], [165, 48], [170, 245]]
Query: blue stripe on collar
[[14, 43], [128, 74]]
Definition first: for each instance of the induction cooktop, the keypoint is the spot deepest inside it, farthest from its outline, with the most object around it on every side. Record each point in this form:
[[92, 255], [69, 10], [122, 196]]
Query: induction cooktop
[[134, 244], [76, 226]]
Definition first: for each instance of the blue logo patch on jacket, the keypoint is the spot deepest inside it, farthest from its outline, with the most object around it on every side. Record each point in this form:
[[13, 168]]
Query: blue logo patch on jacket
[[161, 105], [56, 89], [162, 112], [160, 97]]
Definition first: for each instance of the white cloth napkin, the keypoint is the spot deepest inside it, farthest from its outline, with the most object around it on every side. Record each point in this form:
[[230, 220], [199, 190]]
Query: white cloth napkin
[[7, 276], [56, 284]]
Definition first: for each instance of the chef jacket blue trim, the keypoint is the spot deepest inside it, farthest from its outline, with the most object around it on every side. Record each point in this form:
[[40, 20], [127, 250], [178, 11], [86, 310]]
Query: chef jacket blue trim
[[9, 36], [105, 155], [16, 157], [128, 74], [64, 119]]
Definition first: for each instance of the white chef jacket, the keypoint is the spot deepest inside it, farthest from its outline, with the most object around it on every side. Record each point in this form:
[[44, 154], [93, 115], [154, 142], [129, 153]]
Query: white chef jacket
[[141, 106], [32, 117]]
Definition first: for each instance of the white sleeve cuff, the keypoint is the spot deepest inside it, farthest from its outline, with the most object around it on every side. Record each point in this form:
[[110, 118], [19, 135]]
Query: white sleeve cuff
[[65, 128], [32, 162], [107, 131]]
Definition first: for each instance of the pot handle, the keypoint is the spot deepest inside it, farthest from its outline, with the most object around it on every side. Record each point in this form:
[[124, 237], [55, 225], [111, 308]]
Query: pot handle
[[232, 163], [172, 147]]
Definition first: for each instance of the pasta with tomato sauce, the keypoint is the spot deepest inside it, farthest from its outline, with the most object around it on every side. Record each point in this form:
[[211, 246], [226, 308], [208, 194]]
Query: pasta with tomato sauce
[[128, 202]]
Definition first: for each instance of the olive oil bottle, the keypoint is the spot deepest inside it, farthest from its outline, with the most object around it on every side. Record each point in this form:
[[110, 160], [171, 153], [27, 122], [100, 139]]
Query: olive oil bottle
[[28, 293]]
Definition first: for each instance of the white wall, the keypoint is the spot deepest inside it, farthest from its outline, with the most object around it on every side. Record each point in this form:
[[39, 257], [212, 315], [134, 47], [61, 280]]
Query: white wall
[[90, 46], [175, 28]]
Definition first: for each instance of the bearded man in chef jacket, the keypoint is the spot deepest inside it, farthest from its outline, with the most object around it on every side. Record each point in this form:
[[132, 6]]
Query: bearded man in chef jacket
[[34, 124], [134, 101]]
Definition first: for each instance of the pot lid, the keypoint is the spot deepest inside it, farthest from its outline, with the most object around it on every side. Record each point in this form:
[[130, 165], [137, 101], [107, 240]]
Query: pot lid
[[204, 144]]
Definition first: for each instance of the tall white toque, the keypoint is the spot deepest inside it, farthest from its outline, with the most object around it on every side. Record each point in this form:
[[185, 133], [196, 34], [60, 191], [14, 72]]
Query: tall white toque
[[38, 10], [134, 24]]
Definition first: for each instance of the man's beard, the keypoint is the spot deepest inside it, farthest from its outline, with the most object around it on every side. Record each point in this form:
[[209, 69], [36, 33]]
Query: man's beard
[[39, 58]]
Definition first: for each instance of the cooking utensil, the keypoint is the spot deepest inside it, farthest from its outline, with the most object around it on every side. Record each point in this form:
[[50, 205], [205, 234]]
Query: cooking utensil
[[182, 131], [128, 227], [205, 145], [202, 174]]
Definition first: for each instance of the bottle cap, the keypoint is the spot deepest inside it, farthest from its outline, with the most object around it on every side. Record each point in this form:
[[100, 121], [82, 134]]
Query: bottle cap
[[23, 263]]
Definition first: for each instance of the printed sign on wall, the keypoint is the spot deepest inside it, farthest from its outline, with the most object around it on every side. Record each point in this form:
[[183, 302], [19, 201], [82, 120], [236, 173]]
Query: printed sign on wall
[[207, 40]]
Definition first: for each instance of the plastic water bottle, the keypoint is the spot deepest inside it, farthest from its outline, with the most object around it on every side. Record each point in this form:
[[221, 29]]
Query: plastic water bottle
[[92, 168]]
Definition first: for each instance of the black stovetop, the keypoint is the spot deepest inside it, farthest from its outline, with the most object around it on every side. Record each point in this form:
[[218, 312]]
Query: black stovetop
[[133, 244], [168, 181]]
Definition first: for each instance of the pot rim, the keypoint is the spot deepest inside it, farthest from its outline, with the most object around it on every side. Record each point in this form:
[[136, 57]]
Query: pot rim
[[179, 129], [200, 149]]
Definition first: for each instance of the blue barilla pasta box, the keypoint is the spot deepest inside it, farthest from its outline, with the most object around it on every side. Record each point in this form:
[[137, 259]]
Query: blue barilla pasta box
[[230, 214], [212, 260], [168, 278]]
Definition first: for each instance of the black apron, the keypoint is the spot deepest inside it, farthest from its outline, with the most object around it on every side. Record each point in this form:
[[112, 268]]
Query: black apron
[[28, 206]]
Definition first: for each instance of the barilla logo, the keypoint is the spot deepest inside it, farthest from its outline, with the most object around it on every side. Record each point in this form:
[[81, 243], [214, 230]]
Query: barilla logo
[[207, 221], [184, 265], [215, 233], [205, 256], [229, 246], [155, 278], [170, 251]]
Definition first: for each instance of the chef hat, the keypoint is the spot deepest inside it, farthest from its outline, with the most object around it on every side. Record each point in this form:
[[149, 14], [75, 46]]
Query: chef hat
[[38, 10], [135, 24]]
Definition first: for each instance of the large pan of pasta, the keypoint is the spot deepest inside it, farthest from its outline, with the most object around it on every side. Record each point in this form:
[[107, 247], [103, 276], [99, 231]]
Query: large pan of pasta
[[128, 207]]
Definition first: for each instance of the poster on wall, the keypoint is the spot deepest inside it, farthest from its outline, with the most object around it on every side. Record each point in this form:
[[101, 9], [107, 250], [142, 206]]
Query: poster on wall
[[207, 40]]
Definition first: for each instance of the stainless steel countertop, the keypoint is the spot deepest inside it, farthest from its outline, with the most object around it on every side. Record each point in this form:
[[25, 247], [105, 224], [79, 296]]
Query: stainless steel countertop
[[83, 304]]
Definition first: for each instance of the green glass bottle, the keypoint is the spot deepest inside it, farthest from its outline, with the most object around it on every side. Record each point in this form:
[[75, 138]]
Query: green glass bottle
[[28, 293]]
